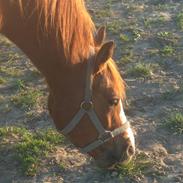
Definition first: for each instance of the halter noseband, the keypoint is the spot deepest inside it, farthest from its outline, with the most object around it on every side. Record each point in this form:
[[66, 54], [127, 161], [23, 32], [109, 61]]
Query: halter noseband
[[86, 107]]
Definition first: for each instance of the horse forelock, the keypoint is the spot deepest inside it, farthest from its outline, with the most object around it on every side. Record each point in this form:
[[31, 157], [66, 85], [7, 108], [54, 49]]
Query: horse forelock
[[114, 78]]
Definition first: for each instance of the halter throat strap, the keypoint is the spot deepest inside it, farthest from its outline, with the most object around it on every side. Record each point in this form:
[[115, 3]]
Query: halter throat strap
[[86, 107]]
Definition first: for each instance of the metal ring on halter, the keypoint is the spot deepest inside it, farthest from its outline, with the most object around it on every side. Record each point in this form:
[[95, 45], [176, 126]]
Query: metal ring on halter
[[87, 106]]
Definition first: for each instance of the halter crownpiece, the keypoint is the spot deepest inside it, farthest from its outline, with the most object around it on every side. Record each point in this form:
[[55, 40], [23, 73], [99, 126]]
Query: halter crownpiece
[[86, 107]]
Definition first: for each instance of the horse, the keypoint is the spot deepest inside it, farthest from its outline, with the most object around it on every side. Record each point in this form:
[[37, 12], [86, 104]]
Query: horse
[[86, 90]]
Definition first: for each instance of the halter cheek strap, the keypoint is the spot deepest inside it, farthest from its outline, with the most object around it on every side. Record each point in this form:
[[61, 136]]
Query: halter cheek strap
[[86, 107]]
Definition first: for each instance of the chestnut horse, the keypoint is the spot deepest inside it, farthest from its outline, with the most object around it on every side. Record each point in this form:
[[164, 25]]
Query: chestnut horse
[[86, 90]]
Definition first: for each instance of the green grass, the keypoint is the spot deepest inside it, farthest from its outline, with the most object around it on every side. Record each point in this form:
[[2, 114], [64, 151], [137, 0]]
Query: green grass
[[141, 70], [106, 11], [166, 37], [159, 2], [135, 8], [136, 34], [124, 37], [132, 35], [114, 26], [10, 71], [179, 20], [30, 148], [167, 51], [138, 166], [20, 84], [164, 34], [2, 81], [26, 98], [179, 56], [103, 13], [154, 22], [10, 131], [175, 123], [35, 74], [162, 6], [127, 57], [62, 166], [173, 93]]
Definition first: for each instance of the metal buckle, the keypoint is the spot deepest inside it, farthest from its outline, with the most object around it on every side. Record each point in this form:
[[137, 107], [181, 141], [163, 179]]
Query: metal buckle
[[107, 135], [87, 106]]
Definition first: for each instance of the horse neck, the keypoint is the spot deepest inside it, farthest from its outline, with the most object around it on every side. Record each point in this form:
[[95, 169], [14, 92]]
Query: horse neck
[[41, 48]]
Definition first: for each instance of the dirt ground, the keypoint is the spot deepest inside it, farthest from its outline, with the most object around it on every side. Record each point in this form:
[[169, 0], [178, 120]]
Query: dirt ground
[[146, 32]]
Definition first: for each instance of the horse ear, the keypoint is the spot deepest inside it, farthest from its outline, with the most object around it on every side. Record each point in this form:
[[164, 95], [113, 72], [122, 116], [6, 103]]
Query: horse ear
[[100, 36], [105, 52]]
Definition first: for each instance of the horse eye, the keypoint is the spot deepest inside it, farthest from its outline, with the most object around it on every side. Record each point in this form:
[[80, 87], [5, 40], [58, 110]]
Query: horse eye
[[114, 102]]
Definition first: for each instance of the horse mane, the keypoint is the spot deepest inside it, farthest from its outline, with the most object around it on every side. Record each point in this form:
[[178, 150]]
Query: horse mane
[[70, 21], [73, 28]]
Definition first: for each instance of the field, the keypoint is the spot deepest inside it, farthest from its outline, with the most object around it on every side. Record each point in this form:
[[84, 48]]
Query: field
[[149, 52]]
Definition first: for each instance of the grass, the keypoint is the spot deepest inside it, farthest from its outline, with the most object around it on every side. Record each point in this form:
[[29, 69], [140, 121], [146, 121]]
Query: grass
[[173, 93], [179, 56], [166, 37], [61, 166], [30, 148], [179, 20], [138, 166], [103, 13], [127, 57], [10, 71], [124, 37], [175, 123], [164, 34], [20, 84], [35, 74], [157, 2], [155, 21], [2, 81], [26, 98], [7, 108], [136, 34], [114, 26], [141, 70], [167, 50], [131, 35], [161, 6], [10, 131], [135, 8]]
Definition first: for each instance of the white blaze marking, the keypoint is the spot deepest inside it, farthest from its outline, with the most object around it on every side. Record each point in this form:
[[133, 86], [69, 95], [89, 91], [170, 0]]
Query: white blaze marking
[[129, 131], [131, 136], [122, 114]]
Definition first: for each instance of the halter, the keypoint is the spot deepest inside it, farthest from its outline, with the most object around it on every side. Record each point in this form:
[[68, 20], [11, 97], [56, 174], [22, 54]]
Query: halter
[[86, 107]]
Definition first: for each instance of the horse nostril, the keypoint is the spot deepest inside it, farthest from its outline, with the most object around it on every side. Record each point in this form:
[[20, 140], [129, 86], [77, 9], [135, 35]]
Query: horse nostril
[[130, 150]]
